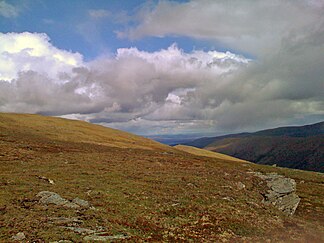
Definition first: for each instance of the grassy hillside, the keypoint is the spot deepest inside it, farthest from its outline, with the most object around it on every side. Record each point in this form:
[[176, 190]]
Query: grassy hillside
[[292, 147], [206, 153], [59, 129], [138, 189]]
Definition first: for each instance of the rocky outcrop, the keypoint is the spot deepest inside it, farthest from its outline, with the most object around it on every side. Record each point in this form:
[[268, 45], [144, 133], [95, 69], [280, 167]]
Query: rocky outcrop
[[281, 192], [19, 237], [105, 238], [47, 197]]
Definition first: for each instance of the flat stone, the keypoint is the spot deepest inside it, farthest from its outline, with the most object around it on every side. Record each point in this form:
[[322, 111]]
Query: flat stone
[[80, 230], [240, 185], [19, 236], [282, 185], [288, 204], [281, 192], [62, 241], [81, 202], [104, 237], [54, 198], [63, 220]]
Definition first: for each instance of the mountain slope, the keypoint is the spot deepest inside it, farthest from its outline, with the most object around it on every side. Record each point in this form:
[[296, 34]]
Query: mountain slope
[[71, 131], [206, 153], [138, 190], [293, 147]]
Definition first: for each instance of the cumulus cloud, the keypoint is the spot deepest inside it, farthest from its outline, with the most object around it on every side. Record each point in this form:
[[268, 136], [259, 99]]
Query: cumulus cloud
[[252, 27], [132, 85], [7, 10], [284, 84], [33, 51], [172, 91]]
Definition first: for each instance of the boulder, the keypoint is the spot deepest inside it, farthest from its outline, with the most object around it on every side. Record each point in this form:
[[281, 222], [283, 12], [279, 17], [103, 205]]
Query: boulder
[[54, 198], [281, 193], [19, 236], [81, 202]]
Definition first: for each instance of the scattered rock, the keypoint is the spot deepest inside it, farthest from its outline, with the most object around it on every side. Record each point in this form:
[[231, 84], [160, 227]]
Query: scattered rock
[[228, 198], [240, 185], [81, 230], [98, 237], [64, 221], [19, 236], [62, 241], [281, 192], [50, 181], [81, 202], [54, 198]]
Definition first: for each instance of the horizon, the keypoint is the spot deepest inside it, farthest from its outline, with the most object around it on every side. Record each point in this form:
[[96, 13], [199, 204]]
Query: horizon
[[161, 68]]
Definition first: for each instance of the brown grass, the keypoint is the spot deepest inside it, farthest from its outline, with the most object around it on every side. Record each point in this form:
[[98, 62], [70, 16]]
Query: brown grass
[[146, 190], [207, 153]]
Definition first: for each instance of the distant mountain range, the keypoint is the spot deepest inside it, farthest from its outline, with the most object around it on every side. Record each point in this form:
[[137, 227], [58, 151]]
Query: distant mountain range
[[299, 147]]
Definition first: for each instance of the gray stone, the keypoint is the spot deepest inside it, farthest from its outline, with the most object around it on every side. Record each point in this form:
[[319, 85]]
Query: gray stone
[[288, 204], [63, 220], [240, 185], [62, 241], [281, 192], [54, 198], [19, 236], [80, 230], [282, 185], [98, 237], [81, 202]]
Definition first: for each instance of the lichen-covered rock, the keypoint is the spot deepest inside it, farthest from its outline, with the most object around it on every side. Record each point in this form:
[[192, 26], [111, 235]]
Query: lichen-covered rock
[[281, 192], [81, 202], [19, 236], [54, 198], [282, 185], [109, 238]]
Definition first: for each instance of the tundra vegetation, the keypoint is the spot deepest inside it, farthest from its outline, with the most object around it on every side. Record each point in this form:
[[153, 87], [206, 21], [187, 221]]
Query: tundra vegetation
[[71, 180]]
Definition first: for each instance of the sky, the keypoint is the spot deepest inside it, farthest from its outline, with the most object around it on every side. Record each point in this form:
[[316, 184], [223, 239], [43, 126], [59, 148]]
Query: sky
[[157, 67]]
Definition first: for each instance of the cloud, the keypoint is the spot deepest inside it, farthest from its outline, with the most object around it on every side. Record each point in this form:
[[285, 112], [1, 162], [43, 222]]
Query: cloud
[[283, 85], [167, 91], [31, 51], [131, 85], [7, 10], [252, 28]]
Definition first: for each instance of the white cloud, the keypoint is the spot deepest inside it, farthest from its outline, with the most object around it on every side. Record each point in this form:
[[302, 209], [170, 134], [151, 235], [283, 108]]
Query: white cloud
[[7, 10], [240, 24], [167, 91], [32, 51]]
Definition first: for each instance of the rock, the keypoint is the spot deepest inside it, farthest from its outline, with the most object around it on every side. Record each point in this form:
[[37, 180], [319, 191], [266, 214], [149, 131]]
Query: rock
[[240, 185], [288, 204], [228, 198], [281, 192], [54, 198], [64, 221], [80, 230], [97, 237], [62, 241], [81, 202], [282, 185], [50, 181], [19, 236]]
